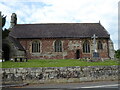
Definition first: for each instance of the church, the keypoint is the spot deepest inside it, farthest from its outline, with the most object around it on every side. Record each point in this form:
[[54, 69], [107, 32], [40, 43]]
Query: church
[[61, 40]]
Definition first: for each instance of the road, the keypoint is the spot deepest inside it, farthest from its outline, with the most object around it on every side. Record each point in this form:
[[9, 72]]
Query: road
[[100, 84]]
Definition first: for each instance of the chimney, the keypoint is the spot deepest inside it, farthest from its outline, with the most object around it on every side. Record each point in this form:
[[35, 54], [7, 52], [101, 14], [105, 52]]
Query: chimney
[[13, 21]]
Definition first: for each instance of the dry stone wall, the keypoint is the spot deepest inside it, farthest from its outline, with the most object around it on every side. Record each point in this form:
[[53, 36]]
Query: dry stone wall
[[59, 74]]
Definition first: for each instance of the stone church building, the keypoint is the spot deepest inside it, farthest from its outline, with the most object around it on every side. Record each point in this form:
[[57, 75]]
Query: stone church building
[[62, 40]]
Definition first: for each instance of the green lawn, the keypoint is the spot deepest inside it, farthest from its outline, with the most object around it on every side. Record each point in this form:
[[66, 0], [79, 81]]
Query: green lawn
[[55, 63]]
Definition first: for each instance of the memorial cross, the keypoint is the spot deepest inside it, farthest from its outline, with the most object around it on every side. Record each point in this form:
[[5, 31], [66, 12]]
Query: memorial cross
[[94, 42]]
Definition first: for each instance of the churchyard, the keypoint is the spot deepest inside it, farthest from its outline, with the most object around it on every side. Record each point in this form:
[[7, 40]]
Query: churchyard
[[56, 63]]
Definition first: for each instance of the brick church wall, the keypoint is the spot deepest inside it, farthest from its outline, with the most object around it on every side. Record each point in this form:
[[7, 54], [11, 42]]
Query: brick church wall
[[69, 47], [104, 53]]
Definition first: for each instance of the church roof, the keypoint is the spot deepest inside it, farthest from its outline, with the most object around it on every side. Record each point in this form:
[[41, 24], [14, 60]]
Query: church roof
[[16, 43], [59, 30]]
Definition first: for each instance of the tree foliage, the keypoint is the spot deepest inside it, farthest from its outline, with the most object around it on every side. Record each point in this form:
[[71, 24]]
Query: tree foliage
[[117, 53], [5, 33], [3, 20]]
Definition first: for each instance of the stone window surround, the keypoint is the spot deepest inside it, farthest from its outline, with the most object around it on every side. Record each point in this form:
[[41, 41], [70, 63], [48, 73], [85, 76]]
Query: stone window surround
[[99, 45], [88, 51], [60, 46], [38, 48]]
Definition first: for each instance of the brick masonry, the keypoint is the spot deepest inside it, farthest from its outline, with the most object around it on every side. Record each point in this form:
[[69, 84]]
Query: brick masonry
[[69, 47], [59, 74]]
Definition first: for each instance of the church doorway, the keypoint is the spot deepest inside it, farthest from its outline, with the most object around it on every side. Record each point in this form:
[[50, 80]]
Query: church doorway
[[6, 52], [77, 54]]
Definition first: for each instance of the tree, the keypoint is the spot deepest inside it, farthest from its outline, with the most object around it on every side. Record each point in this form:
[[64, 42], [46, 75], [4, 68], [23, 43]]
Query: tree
[[5, 33], [3, 20], [117, 53]]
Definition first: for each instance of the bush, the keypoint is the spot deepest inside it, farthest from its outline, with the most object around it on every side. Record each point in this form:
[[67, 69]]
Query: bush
[[117, 54]]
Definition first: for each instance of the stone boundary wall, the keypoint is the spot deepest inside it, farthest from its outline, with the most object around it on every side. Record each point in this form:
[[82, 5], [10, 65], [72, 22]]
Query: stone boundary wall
[[59, 74]]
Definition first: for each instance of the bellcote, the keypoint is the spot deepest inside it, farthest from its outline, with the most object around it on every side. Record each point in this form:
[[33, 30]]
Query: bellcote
[[13, 21]]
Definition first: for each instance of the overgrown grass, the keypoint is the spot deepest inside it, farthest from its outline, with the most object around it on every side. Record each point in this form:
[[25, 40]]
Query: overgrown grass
[[55, 63]]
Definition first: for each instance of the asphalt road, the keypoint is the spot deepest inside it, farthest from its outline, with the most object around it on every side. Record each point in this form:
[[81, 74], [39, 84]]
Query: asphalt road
[[61, 86]]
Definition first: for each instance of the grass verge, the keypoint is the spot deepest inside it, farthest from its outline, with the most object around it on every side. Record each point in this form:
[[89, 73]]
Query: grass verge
[[55, 63]]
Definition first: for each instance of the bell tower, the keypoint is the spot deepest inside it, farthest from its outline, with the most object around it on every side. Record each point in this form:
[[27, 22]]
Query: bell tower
[[13, 21]]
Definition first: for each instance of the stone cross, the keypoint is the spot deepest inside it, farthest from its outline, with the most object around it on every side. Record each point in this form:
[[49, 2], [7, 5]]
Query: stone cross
[[94, 42]]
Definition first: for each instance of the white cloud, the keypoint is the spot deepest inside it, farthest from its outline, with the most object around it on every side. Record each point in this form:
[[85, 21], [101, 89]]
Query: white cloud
[[55, 11]]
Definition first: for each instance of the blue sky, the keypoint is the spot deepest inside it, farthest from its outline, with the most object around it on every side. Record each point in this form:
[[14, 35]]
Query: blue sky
[[64, 11]]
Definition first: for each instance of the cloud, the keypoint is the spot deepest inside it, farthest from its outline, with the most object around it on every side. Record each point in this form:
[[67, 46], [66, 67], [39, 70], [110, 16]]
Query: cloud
[[65, 11]]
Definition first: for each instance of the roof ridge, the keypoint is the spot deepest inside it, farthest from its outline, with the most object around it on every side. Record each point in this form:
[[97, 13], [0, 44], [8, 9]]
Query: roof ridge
[[55, 23]]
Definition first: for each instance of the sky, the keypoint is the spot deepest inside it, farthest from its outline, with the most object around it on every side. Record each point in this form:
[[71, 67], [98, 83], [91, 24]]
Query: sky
[[64, 11]]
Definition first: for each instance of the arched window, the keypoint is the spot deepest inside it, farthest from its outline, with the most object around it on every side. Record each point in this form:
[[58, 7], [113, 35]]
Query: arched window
[[86, 47], [35, 47], [100, 46], [58, 46]]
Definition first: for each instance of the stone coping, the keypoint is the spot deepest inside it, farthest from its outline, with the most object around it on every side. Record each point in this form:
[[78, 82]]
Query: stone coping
[[62, 67]]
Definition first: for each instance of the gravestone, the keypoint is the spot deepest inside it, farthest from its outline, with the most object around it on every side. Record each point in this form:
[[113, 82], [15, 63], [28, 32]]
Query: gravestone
[[95, 54], [95, 57]]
